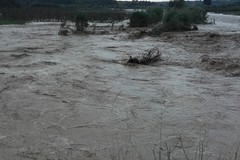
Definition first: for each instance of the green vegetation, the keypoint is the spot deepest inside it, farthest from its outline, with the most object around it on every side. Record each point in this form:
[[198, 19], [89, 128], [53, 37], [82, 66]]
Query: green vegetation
[[152, 15], [155, 15], [60, 14], [76, 3], [176, 4], [181, 19], [8, 22], [81, 22], [197, 15], [177, 18], [139, 19]]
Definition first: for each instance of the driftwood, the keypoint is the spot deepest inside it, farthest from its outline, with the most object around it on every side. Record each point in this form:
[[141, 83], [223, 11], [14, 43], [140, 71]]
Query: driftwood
[[146, 57]]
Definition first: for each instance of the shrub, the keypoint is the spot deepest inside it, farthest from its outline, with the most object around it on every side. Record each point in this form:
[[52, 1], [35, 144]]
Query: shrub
[[181, 19], [198, 15], [176, 4], [156, 31], [81, 22], [155, 15], [143, 19], [176, 20], [139, 19]]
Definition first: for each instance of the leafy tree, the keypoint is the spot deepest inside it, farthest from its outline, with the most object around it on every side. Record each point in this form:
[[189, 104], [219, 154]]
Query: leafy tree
[[155, 14], [81, 22], [152, 15], [181, 19], [139, 19], [176, 4]]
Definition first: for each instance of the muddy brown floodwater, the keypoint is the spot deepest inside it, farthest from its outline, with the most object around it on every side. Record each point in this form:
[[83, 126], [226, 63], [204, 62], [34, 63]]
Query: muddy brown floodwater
[[65, 98]]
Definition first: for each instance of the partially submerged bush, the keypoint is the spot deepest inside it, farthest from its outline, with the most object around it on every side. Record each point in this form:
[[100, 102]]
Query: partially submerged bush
[[182, 19], [81, 22], [198, 15], [143, 19], [139, 19], [64, 30], [155, 14], [177, 20]]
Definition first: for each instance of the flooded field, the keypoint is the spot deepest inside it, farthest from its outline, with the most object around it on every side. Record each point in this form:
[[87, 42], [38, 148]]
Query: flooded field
[[65, 98]]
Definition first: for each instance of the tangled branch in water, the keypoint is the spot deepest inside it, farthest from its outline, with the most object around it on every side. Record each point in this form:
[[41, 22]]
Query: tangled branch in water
[[147, 57]]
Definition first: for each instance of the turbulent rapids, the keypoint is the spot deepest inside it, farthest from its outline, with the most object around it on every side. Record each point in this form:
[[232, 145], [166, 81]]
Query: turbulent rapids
[[61, 97]]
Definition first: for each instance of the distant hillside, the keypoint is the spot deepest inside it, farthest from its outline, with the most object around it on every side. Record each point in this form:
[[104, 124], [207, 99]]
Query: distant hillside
[[9, 3], [56, 3]]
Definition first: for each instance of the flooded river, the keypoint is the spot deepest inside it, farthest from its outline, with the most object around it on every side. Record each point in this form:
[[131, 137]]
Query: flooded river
[[65, 98]]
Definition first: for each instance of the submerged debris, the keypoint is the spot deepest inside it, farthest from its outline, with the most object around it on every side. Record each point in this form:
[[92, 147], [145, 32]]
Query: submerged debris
[[64, 30], [212, 35], [146, 57], [229, 65], [137, 34], [133, 60], [194, 28]]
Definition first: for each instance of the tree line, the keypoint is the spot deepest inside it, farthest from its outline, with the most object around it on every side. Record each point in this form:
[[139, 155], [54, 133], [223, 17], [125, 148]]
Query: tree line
[[59, 10], [55, 3]]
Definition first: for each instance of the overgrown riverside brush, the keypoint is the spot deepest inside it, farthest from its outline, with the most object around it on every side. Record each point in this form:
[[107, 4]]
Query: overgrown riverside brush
[[182, 19]]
